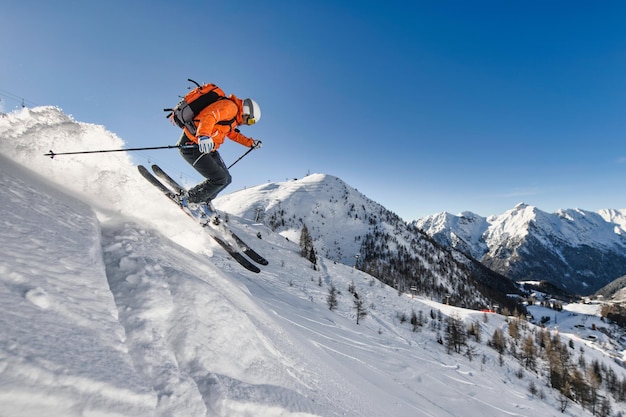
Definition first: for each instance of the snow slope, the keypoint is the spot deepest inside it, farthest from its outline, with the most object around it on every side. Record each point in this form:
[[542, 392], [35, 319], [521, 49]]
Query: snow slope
[[114, 304]]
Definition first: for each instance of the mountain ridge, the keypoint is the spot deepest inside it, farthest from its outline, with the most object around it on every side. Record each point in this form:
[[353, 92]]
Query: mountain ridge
[[579, 250]]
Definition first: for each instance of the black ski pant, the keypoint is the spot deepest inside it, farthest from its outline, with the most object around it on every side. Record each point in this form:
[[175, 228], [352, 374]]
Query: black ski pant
[[210, 166]]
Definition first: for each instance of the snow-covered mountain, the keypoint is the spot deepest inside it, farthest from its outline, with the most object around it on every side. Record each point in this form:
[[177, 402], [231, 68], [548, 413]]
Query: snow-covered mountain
[[463, 232], [349, 228], [114, 304], [578, 250]]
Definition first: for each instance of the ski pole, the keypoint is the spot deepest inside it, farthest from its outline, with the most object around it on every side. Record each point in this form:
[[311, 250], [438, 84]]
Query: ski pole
[[52, 154], [241, 157]]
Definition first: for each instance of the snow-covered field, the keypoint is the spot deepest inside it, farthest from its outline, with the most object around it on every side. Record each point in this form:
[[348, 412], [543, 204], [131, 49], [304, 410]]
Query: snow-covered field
[[113, 303]]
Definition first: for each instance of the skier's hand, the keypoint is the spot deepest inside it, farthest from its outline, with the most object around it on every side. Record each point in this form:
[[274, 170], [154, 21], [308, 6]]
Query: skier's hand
[[256, 144], [205, 144]]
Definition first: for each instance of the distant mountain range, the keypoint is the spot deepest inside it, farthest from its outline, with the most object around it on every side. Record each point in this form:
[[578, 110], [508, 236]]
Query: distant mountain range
[[579, 251]]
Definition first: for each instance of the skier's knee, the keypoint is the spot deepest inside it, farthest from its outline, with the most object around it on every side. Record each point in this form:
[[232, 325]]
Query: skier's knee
[[223, 180], [227, 179]]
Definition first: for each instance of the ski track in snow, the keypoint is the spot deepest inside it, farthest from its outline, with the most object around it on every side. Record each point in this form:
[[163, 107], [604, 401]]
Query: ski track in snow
[[190, 357], [66, 339]]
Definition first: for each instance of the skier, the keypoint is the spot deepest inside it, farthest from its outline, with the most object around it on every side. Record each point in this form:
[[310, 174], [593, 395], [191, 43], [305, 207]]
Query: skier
[[214, 123]]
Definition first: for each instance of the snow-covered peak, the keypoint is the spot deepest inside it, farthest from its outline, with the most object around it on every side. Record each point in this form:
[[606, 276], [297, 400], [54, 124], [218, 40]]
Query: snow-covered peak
[[463, 231], [520, 206], [617, 217], [513, 224], [582, 227], [333, 211]]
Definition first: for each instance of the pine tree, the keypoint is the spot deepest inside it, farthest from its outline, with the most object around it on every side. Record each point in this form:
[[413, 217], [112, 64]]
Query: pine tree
[[529, 353], [416, 321], [455, 335], [514, 329], [605, 408], [361, 312], [473, 329], [331, 300], [307, 250], [498, 341]]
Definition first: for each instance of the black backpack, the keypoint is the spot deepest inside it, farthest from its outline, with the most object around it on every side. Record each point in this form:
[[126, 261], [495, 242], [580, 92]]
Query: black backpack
[[184, 113]]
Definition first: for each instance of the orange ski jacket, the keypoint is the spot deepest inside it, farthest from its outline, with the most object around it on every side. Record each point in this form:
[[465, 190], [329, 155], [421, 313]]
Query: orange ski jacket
[[224, 110]]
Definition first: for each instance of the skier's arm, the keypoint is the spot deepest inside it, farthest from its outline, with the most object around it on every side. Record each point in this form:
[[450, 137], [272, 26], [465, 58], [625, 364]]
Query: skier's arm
[[240, 138]]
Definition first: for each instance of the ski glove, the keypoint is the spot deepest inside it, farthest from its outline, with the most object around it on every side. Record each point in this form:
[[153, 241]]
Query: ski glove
[[256, 144], [205, 144]]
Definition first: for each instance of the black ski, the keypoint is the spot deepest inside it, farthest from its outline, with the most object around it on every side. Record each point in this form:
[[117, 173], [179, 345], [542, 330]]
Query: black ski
[[236, 255], [248, 250], [154, 181], [245, 248], [170, 181], [230, 249]]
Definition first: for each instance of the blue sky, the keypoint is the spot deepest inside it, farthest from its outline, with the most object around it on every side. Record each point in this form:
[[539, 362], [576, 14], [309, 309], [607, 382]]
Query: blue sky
[[424, 106]]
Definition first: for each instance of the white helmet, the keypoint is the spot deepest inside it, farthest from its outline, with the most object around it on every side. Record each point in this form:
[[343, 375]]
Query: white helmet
[[252, 110]]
